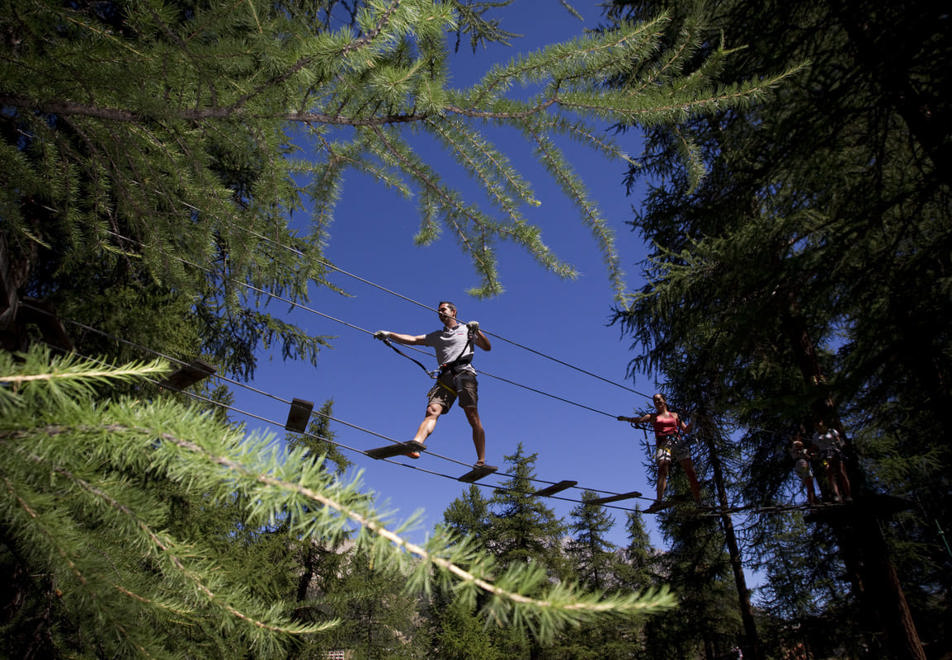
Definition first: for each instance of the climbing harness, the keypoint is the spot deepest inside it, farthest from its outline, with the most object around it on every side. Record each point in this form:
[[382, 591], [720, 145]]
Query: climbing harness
[[452, 367], [676, 444]]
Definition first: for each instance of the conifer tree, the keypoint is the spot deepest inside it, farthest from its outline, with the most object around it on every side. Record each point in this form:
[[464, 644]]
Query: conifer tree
[[92, 495], [459, 633], [469, 515], [697, 569], [153, 156], [784, 276], [164, 146], [638, 572], [378, 618], [599, 565], [522, 528], [319, 439], [592, 555]]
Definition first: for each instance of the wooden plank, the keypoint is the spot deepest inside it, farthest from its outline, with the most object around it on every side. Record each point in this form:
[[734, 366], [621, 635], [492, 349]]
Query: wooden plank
[[188, 375], [555, 488], [298, 415], [615, 498], [395, 449], [478, 472], [879, 506]]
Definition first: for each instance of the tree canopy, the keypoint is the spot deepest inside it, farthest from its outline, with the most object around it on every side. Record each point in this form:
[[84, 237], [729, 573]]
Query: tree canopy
[[168, 144], [154, 155], [806, 276]]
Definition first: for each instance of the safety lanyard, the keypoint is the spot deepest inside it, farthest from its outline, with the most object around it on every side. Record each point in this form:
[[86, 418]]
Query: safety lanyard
[[434, 373], [429, 373]]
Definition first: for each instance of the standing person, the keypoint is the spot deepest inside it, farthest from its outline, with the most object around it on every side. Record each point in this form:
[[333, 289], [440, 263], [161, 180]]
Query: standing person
[[830, 447], [669, 442], [802, 455], [455, 346]]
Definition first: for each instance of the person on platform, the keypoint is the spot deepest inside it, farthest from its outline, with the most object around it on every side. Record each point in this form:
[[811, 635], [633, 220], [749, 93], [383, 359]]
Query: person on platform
[[829, 447], [802, 455]]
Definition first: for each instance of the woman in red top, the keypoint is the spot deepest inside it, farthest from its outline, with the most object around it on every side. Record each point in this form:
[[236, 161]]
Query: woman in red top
[[668, 427]]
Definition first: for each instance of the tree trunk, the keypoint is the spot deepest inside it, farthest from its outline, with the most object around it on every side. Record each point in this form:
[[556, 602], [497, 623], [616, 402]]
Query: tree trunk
[[752, 639]]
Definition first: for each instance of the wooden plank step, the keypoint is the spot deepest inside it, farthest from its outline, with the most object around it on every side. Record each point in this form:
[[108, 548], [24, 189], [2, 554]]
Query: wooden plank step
[[478, 472], [615, 498], [555, 488], [395, 449], [188, 375], [298, 415]]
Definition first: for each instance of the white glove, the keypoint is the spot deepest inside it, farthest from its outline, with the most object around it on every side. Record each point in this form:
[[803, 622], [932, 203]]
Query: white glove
[[381, 335], [473, 326]]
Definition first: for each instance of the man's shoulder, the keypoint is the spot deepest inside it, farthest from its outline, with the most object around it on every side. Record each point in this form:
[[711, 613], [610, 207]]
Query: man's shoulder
[[438, 335]]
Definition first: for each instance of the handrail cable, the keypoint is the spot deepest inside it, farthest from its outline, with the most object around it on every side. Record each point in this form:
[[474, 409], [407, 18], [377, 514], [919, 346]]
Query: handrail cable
[[425, 306], [287, 402], [307, 308], [705, 511]]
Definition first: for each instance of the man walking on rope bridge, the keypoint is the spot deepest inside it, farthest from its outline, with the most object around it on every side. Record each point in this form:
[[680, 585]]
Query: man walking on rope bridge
[[668, 427], [455, 346]]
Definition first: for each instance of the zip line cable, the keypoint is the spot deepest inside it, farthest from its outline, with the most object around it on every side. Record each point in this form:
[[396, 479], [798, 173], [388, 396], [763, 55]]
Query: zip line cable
[[704, 512], [483, 372], [327, 263], [427, 307], [551, 396], [364, 330], [328, 417], [306, 308]]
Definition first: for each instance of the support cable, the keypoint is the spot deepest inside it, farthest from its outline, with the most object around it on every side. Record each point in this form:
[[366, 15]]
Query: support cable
[[325, 262], [309, 434], [306, 308], [707, 511]]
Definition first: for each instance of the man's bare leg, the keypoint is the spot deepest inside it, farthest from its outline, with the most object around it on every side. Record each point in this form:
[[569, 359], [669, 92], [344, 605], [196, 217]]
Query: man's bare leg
[[479, 434], [433, 412]]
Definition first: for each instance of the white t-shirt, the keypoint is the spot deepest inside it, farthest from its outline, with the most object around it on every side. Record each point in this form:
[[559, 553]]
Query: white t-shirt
[[449, 344]]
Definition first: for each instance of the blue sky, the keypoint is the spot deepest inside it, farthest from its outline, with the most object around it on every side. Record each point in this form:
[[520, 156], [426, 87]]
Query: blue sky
[[377, 390]]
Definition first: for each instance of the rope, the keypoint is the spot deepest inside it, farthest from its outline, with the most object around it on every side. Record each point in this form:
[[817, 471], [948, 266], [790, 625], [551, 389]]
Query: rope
[[328, 417], [358, 328], [427, 307], [387, 341], [701, 511]]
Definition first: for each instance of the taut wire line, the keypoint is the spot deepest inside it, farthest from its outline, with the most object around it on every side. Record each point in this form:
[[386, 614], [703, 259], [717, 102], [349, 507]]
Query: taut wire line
[[364, 330], [705, 512], [325, 262], [335, 443]]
